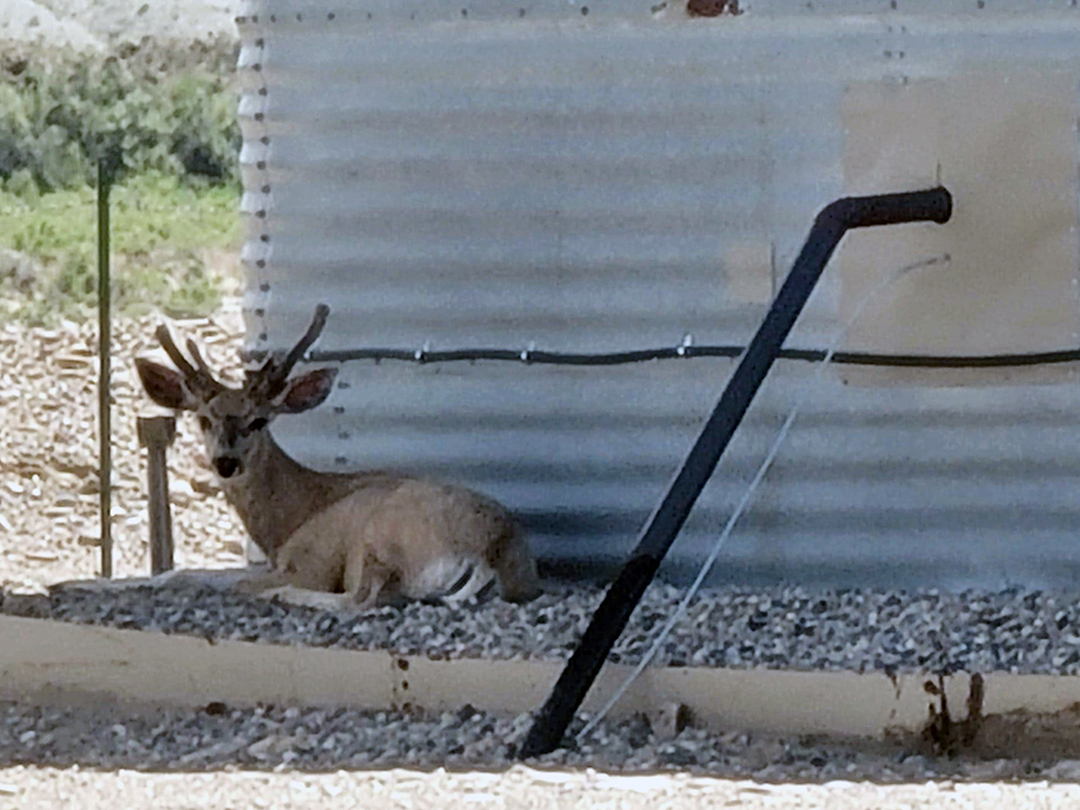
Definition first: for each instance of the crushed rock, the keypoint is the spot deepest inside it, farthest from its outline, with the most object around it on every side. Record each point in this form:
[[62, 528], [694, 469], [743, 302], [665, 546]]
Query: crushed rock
[[320, 739], [49, 486], [792, 628]]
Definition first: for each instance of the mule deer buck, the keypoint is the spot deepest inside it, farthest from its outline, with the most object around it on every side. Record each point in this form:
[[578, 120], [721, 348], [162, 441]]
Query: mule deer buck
[[375, 537]]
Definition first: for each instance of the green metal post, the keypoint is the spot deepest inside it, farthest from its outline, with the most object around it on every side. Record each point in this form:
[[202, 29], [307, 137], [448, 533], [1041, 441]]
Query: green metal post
[[104, 354]]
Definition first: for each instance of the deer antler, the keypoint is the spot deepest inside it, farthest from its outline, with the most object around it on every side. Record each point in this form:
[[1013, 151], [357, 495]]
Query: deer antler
[[193, 350], [166, 341], [201, 378], [272, 376]]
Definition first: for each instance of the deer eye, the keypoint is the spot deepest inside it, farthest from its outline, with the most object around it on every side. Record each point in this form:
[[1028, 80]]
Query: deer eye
[[204, 423], [257, 424]]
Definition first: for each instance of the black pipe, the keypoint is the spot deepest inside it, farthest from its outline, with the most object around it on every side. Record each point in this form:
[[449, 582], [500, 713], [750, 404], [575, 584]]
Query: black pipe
[[659, 533]]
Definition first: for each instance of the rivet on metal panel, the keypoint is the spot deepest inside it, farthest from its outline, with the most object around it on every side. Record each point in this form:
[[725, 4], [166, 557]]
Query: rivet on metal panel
[[299, 17], [260, 42], [264, 287], [658, 8], [256, 67], [464, 12], [260, 214], [341, 460], [259, 116], [265, 140], [892, 4], [980, 4], [261, 263], [339, 409], [263, 337], [521, 12], [266, 189], [330, 15], [273, 18], [343, 384], [344, 435], [260, 165], [264, 237], [263, 91], [241, 20], [260, 312], [255, 18], [584, 11]]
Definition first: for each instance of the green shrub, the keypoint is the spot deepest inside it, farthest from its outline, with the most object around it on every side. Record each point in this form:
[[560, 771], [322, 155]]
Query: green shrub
[[61, 114]]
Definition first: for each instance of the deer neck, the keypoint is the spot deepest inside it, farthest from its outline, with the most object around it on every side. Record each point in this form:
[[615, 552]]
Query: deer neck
[[277, 495]]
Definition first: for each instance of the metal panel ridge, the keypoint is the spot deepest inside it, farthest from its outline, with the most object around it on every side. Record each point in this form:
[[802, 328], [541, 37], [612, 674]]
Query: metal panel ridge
[[599, 177]]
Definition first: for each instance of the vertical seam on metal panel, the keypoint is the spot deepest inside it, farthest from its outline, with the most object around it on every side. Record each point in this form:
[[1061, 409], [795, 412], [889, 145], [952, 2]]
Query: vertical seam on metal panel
[[254, 106]]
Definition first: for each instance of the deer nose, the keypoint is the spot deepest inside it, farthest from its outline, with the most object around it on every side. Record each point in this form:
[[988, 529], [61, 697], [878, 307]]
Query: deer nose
[[226, 467]]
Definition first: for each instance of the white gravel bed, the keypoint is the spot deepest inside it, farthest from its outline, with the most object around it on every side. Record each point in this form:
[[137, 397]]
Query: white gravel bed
[[518, 787], [1013, 631], [316, 739]]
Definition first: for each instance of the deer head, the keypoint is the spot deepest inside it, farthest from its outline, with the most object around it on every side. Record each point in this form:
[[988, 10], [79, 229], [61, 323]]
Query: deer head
[[233, 421]]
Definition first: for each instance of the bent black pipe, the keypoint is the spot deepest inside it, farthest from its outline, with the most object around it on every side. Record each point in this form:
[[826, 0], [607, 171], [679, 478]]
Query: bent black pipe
[[933, 205]]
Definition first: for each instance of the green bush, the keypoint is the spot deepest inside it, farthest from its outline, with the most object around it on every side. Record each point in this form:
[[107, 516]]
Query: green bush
[[59, 115]]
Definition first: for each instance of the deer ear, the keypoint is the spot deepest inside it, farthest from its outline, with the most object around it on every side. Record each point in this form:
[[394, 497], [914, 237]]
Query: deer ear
[[165, 385], [306, 392]]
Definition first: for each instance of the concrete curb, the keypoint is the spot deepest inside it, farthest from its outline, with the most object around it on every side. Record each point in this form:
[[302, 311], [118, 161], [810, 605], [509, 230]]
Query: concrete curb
[[55, 662]]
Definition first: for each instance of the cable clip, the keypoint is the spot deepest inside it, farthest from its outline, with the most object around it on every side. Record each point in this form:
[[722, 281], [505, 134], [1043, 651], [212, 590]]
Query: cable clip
[[687, 342]]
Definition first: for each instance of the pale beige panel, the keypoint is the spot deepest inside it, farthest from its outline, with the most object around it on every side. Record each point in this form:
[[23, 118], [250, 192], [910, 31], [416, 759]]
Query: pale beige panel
[[748, 273], [1005, 146]]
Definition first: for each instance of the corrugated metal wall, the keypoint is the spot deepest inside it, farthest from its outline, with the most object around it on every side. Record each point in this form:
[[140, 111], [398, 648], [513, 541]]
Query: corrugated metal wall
[[613, 175]]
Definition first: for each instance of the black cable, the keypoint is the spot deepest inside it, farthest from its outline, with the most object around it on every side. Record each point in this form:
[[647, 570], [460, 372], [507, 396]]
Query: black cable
[[538, 357]]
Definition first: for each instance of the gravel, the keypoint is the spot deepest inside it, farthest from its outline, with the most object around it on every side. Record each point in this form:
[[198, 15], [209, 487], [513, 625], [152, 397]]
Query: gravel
[[778, 628], [313, 739], [49, 513], [104, 25], [519, 788]]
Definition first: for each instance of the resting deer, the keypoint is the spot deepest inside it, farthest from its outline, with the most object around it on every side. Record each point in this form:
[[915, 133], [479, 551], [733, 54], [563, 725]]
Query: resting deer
[[375, 537]]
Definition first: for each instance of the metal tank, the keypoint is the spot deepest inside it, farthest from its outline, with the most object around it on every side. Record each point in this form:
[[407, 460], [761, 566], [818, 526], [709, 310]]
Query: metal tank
[[477, 189]]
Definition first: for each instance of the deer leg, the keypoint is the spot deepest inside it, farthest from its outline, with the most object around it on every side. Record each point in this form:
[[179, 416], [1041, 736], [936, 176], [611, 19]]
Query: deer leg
[[305, 597], [365, 578], [276, 578]]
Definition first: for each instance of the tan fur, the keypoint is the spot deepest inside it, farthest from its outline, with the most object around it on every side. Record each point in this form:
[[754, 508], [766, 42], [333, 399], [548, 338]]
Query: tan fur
[[376, 537]]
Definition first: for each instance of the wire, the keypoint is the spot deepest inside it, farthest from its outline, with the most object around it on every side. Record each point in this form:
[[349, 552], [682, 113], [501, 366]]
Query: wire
[[710, 560], [531, 356]]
